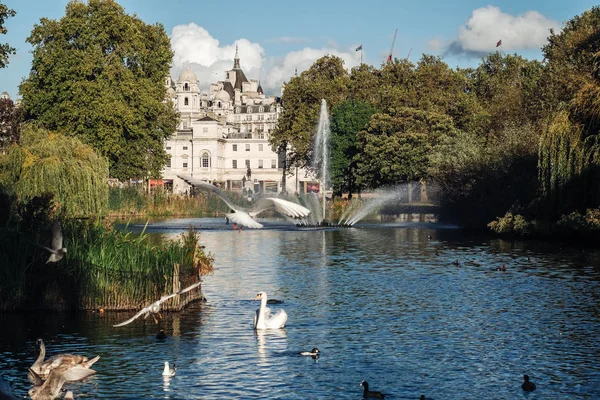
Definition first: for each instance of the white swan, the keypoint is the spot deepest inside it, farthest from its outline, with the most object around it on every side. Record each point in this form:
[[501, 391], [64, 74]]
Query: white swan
[[264, 319], [246, 218], [167, 371]]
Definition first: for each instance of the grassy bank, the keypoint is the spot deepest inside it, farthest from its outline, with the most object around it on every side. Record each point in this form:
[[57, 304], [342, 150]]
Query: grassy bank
[[103, 268]]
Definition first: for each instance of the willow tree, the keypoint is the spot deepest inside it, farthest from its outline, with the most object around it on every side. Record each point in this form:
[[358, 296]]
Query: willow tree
[[569, 154], [46, 163], [98, 74]]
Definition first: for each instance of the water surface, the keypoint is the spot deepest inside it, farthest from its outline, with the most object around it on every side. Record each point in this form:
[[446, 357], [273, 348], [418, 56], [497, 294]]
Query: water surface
[[383, 302]]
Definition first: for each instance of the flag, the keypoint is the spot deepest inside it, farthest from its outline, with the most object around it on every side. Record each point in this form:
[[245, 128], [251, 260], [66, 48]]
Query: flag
[[359, 47], [499, 43], [389, 59]]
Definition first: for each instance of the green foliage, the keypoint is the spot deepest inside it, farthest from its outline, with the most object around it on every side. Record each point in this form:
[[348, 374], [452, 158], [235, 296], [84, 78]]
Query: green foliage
[[97, 74], [11, 116], [5, 49], [511, 224], [577, 222], [325, 79], [347, 119], [52, 164]]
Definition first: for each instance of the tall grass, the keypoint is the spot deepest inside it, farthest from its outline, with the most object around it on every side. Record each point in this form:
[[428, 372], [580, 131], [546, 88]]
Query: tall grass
[[134, 200], [103, 268]]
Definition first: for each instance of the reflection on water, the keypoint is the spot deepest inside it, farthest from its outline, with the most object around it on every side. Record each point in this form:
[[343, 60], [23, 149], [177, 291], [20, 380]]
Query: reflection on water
[[384, 303]]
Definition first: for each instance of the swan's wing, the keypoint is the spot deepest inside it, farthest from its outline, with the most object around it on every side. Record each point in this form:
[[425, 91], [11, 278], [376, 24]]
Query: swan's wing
[[130, 320], [207, 187], [278, 319], [57, 236], [284, 207], [244, 219], [34, 378]]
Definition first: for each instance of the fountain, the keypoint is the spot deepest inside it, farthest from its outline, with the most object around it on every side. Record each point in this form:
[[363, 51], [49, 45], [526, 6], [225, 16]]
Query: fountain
[[321, 152]]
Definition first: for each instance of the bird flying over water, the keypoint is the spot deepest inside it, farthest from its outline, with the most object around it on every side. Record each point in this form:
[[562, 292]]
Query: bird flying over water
[[246, 217], [51, 388], [57, 250], [154, 308]]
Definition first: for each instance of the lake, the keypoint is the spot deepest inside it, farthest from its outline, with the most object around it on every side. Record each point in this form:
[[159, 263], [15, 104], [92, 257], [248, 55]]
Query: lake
[[383, 303]]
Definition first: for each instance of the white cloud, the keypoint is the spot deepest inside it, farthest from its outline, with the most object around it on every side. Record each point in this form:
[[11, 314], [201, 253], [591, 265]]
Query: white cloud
[[488, 24], [209, 59], [287, 39]]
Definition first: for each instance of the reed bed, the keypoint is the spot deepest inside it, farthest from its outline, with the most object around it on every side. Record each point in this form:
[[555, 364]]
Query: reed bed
[[104, 268], [134, 200]]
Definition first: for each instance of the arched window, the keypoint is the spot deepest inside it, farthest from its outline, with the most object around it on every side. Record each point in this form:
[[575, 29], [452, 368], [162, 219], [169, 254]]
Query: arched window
[[185, 101], [238, 110], [219, 104], [186, 87], [205, 160], [261, 109], [249, 109]]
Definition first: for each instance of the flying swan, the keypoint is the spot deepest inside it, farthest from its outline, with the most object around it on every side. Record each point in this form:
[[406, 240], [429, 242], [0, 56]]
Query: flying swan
[[246, 218], [264, 319]]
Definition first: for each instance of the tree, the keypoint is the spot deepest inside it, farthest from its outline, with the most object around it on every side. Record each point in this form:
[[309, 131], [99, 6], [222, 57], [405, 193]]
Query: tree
[[98, 74], [11, 116], [325, 79], [46, 163], [569, 152], [395, 148], [347, 119], [5, 49]]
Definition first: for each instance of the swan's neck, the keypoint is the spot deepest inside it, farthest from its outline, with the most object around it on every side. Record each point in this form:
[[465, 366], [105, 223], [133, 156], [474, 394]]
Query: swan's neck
[[261, 313], [41, 357], [166, 370]]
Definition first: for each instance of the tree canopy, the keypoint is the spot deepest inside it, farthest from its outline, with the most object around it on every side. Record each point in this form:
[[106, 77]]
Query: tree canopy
[[46, 163], [97, 74], [5, 49]]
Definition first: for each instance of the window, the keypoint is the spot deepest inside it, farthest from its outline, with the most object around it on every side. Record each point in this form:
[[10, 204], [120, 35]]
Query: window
[[247, 147], [261, 135], [261, 109], [184, 165], [247, 163], [234, 164], [249, 109], [185, 101], [260, 163], [260, 147], [205, 130], [169, 163], [168, 147], [234, 147], [186, 87], [238, 110], [205, 160], [273, 164], [184, 147]]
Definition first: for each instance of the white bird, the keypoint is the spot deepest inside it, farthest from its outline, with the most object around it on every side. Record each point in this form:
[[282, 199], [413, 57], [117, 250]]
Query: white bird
[[167, 371], [154, 308], [246, 217], [57, 251], [264, 319]]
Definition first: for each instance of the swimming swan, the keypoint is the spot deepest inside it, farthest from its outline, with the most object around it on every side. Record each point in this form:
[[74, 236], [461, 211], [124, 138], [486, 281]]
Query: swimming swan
[[51, 388], [246, 217], [264, 319], [154, 308], [43, 368]]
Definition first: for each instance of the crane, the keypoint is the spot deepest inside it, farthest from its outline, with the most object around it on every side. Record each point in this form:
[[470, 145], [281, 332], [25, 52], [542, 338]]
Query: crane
[[389, 59]]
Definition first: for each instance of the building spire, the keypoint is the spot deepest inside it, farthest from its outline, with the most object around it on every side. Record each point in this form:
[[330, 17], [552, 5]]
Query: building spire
[[236, 60]]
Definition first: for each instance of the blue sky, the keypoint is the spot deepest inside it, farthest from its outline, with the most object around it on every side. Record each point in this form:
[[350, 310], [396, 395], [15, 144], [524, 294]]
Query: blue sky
[[276, 38]]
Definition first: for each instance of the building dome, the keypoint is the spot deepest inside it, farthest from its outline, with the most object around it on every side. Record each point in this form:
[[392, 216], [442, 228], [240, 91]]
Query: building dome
[[222, 96], [187, 75]]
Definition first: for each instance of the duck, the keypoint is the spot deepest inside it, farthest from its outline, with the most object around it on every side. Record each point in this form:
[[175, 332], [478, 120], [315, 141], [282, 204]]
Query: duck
[[455, 262], [314, 352], [168, 371], [161, 335], [502, 268], [44, 367], [264, 319], [245, 218], [52, 386], [527, 386], [370, 394]]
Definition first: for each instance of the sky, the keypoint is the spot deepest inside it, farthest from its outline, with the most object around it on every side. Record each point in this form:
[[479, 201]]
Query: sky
[[277, 38]]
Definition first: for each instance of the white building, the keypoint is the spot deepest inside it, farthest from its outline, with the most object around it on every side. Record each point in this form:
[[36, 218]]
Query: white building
[[223, 136]]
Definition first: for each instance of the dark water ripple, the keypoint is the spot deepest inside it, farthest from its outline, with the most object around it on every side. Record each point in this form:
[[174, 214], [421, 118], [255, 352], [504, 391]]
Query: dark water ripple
[[382, 303]]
